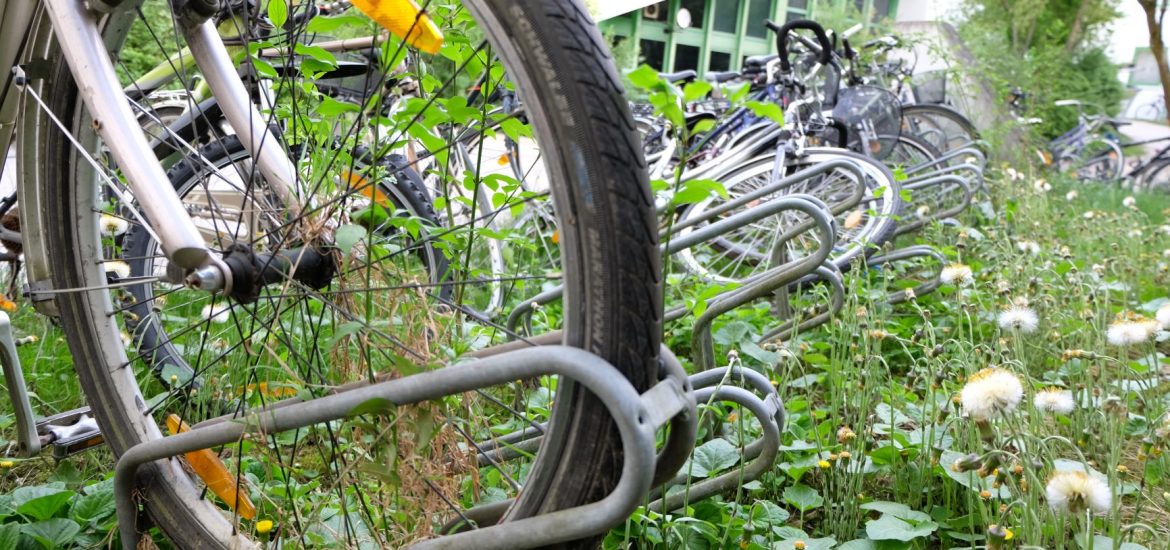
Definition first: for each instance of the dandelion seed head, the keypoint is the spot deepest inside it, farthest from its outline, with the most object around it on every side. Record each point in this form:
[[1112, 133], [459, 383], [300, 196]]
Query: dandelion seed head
[[1019, 318], [121, 270], [1042, 186], [1028, 246], [1131, 329], [1074, 491], [216, 315], [990, 393], [957, 274], [1129, 202], [1070, 196], [1054, 400], [113, 226]]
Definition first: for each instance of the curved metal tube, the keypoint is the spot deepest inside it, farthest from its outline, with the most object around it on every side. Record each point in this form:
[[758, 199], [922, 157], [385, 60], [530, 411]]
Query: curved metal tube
[[828, 273], [919, 251], [954, 210]]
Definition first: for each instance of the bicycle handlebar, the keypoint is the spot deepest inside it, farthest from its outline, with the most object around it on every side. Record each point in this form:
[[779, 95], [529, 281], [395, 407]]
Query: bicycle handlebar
[[826, 54]]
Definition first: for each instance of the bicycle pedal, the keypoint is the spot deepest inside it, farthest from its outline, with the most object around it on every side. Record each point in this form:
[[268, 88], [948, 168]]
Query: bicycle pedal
[[70, 432]]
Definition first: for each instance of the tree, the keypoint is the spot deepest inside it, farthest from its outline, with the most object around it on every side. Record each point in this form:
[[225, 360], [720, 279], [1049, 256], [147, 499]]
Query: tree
[[1155, 16]]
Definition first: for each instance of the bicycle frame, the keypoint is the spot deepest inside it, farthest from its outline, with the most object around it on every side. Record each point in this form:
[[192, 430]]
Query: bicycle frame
[[76, 26]]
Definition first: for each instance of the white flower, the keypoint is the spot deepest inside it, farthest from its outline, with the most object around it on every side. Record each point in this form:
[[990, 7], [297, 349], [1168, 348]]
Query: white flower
[[956, 274], [1129, 202], [990, 393], [1134, 233], [121, 270], [1129, 332], [923, 211], [1163, 316], [1019, 318], [1074, 492], [1165, 229], [1071, 196], [113, 226], [1088, 215], [1028, 246], [216, 315], [1042, 186], [1054, 400], [1013, 174]]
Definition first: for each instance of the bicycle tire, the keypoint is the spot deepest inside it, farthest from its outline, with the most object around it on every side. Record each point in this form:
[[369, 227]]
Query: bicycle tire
[[612, 273], [941, 126]]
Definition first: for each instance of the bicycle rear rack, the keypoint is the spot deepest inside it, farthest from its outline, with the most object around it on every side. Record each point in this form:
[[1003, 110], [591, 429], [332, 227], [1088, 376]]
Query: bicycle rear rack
[[638, 416]]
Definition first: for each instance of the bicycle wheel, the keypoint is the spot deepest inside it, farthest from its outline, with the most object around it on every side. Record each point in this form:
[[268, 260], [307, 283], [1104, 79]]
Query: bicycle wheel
[[942, 127], [1155, 177], [910, 151], [556, 60], [1099, 161], [746, 251]]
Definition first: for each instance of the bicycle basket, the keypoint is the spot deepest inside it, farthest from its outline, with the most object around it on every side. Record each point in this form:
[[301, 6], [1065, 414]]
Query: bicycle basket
[[873, 117], [930, 87]]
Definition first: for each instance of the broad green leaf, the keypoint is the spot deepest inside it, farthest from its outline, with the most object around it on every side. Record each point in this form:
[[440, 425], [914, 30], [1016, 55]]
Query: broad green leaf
[[94, 507], [278, 12], [696, 90], [330, 107], [10, 535], [697, 190], [711, 458], [897, 510], [54, 533], [768, 515], [347, 236], [323, 24], [857, 544], [1102, 542], [970, 479], [767, 110], [809, 544], [645, 77], [889, 527], [802, 497], [40, 503]]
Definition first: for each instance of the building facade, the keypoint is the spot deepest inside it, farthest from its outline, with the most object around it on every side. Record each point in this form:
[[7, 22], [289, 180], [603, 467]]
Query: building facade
[[721, 33]]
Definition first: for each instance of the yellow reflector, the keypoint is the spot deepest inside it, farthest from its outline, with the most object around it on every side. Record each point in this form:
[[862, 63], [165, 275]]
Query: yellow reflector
[[402, 17], [214, 473], [556, 236], [503, 160], [853, 219]]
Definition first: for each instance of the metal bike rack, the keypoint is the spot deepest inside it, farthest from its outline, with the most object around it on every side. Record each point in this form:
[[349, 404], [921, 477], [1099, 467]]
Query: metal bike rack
[[918, 251], [758, 396], [827, 273], [638, 416], [26, 431], [931, 184]]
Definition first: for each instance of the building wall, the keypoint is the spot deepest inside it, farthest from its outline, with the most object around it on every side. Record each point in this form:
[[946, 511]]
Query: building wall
[[722, 33]]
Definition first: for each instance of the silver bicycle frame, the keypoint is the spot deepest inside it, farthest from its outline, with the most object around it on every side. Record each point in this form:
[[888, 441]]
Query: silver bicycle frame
[[76, 27]]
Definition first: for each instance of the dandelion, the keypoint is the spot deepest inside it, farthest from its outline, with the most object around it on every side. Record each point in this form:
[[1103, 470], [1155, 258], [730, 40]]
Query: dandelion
[[7, 305], [923, 211], [264, 526], [1129, 202], [845, 434], [1042, 186], [113, 226], [1019, 318], [7, 464], [1130, 330], [121, 270], [216, 315], [824, 464], [1028, 246], [1088, 215], [1070, 196], [1134, 233], [957, 274], [989, 393], [1075, 491], [1054, 400], [1163, 316]]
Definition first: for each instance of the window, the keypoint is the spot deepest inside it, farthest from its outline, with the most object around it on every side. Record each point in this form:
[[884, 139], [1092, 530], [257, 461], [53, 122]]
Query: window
[[696, 8], [686, 57], [720, 61], [758, 11], [726, 16], [653, 52]]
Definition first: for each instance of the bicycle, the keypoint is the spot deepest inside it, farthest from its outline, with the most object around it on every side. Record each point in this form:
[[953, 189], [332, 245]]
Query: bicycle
[[607, 250]]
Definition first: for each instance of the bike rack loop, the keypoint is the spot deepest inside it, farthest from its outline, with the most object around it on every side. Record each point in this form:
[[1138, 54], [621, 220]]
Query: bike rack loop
[[960, 206], [702, 345], [917, 251], [827, 272], [637, 417]]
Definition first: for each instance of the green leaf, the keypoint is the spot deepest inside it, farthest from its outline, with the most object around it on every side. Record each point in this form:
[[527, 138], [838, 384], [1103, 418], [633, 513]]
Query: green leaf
[[375, 405], [40, 503], [802, 497], [697, 190], [54, 533], [897, 510], [347, 236], [696, 90], [322, 24], [645, 77], [970, 479], [343, 330], [768, 515], [94, 507], [809, 544], [330, 107], [278, 12], [767, 110], [889, 527], [1102, 542], [711, 458], [857, 544], [10, 535]]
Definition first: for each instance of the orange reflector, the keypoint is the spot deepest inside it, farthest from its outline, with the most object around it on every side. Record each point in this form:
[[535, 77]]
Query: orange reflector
[[503, 160], [268, 391], [853, 219], [363, 186], [406, 20], [214, 473], [556, 236]]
